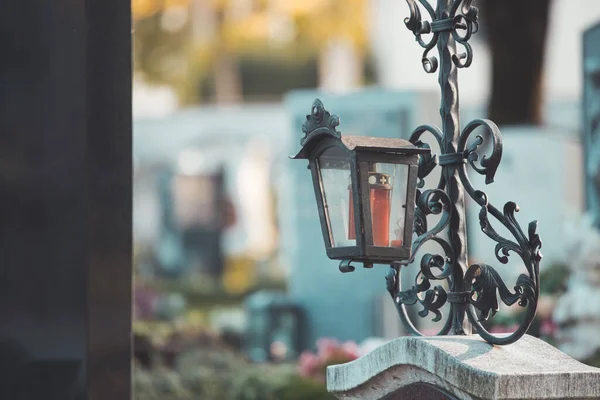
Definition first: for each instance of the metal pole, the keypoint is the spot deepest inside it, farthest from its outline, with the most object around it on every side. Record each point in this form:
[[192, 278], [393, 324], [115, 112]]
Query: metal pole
[[449, 110]]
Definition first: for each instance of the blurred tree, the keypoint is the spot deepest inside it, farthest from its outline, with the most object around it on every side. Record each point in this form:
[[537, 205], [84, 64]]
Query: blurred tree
[[516, 32], [182, 42]]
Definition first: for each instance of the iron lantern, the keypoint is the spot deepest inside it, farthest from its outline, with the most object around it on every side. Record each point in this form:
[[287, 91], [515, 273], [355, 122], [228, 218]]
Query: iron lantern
[[365, 189]]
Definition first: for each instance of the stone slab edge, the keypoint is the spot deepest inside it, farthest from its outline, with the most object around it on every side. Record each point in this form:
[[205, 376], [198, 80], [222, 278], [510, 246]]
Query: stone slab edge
[[467, 367]]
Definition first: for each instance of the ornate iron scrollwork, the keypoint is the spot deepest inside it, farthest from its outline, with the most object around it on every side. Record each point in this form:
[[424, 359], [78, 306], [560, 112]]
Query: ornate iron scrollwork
[[320, 121], [463, 17], [433, 266], [485, 286], [480, 288]]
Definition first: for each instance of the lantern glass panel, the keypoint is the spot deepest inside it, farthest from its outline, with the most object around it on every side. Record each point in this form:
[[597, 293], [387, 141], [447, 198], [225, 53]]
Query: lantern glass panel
[[337, 192], [387, 192]]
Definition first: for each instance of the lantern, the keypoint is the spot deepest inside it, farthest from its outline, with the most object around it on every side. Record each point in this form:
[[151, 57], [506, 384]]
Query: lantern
[[365, 189]]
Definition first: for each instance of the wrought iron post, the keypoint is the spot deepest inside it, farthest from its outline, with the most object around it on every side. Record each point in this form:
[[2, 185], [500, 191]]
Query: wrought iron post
[[449, 110], [475, 290]]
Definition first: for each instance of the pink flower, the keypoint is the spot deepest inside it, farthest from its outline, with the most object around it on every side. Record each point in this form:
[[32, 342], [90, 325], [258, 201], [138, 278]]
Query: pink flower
[[308, 363], [430, 332], [504, 329], [351, 349], [329, 352], [326, 347], [548, 327], [144, 302]]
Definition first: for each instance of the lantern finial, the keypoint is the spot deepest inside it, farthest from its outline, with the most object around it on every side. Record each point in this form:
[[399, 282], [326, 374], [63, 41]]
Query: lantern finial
[[318, 122]]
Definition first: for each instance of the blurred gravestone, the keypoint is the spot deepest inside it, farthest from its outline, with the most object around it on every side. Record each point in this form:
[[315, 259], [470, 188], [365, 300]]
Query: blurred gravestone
[[577, 313], [190, 243], [591, 125], [341, 306]]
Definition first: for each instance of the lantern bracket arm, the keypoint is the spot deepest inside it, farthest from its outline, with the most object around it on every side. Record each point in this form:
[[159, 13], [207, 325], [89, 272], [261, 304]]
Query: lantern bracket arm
[[432, 266], [483, 281], [428, 161], [433, 201], [431, 298]]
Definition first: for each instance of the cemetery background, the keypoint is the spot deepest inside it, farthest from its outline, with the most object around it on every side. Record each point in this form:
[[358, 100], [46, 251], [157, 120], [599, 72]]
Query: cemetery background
[[219, 96]]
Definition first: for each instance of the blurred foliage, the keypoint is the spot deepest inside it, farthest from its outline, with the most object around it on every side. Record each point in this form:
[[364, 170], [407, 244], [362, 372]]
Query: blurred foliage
[[142, 9], [199, 295], [553, 280], [239, 275], [207, 369], [593, 361], [159, 55], [247, 22], [298, 388], [282, 69], [199, 364], [278, 33]]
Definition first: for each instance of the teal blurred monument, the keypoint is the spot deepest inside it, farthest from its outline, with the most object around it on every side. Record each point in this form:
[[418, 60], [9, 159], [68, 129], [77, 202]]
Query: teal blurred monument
[[591, 119], [344, 306]]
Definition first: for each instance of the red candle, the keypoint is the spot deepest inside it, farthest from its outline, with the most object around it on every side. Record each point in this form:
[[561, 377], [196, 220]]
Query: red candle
[[351, 226], [380, 198], [380, 208]]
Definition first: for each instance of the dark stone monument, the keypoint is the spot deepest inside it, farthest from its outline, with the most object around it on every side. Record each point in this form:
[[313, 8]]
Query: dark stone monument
[[65, 208]]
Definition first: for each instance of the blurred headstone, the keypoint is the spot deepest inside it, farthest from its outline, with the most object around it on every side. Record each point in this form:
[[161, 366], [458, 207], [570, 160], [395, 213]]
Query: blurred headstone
[[577, 312], [591, 125], [193, 209], [338, 305], [275, 328]]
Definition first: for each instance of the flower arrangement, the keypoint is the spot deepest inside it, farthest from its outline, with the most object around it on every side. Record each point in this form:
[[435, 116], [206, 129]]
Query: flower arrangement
[[329, 352]]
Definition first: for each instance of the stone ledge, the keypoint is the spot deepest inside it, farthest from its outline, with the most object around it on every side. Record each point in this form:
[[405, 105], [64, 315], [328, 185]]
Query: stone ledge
[[466, 367]]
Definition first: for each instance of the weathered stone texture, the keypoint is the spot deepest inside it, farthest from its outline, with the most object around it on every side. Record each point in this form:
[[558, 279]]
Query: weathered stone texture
[[465, 367]]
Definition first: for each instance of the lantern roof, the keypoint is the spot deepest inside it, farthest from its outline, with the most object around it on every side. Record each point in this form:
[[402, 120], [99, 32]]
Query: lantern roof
[[321, 124], [386, 145]]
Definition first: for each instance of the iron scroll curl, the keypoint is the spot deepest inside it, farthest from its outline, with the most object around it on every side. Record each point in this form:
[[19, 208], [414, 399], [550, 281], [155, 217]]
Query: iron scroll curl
[[478, 288], [485, 282], [482, 286], [462, 18], [432, 299]]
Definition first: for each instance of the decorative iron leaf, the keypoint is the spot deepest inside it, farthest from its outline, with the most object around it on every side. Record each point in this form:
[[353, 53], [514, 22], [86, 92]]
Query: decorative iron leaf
[[487, 286], [319, 121]]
